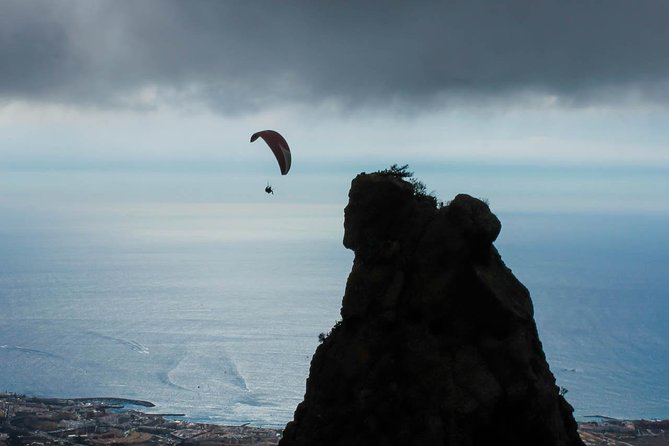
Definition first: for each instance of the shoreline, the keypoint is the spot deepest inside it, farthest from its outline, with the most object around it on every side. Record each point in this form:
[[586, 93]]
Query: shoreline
[[104, 399], [106, 421]]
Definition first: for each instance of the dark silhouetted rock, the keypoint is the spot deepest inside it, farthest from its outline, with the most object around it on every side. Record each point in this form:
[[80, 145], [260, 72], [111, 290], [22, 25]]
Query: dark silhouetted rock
[[437, 343]]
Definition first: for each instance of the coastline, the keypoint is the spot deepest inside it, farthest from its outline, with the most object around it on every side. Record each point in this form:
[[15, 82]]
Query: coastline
[[104, 399], [107, 421]]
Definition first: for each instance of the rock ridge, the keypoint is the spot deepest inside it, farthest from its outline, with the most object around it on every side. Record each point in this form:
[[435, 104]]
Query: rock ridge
[[437, 344]]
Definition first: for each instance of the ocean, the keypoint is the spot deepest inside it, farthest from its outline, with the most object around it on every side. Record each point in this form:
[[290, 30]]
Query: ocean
[[214, 310]]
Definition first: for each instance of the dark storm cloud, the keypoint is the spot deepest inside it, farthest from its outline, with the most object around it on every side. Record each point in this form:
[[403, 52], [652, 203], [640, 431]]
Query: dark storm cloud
[[237, 55]]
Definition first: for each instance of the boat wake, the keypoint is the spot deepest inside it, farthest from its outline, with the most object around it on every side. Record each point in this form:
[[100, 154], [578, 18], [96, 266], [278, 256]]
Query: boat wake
[[129, 343], [30, 351]]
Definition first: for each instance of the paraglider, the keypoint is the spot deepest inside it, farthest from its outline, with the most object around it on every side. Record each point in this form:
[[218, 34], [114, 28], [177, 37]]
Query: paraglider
[[279, 147]]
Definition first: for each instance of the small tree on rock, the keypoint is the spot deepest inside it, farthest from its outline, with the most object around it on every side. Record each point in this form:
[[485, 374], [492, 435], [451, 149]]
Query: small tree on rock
[[419, 188]]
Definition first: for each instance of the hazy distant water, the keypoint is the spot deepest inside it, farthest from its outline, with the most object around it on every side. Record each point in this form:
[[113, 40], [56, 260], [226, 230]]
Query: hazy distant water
[[600, 286], [215, 310]]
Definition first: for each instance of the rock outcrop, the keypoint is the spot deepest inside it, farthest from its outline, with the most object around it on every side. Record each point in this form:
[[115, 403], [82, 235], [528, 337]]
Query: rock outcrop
[[437, 344]]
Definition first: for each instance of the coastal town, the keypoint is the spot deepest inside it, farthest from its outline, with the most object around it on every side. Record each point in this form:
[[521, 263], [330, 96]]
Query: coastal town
[[105, 422], [33, 421], [613, 432]]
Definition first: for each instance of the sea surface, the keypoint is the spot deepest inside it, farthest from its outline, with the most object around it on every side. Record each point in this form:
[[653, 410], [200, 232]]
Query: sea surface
[[214, 310]]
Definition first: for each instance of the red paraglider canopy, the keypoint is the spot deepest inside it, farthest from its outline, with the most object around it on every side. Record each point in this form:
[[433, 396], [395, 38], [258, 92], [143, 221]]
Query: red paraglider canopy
[[279, 147]]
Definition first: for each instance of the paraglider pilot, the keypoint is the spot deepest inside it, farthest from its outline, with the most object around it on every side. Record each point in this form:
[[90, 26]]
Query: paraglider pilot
[[279, 147]]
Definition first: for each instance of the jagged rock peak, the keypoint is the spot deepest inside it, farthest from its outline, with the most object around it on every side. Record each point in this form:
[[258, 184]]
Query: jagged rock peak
[[437, 344]]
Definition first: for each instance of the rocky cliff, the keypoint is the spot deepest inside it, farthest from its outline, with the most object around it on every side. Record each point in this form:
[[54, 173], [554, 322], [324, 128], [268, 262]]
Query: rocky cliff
[[437, 344]]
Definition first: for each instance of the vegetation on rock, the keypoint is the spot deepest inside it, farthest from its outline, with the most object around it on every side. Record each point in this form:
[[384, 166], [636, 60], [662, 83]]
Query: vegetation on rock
[[419, 188]]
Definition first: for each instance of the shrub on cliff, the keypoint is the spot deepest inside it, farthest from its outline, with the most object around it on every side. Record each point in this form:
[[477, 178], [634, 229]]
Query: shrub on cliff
[[403, 173]]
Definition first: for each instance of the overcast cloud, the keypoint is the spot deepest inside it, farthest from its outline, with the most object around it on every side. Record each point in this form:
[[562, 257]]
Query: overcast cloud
[[239, 56]]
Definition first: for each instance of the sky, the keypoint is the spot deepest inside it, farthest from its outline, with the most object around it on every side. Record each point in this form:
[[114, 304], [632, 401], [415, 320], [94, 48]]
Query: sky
[[537, 106]]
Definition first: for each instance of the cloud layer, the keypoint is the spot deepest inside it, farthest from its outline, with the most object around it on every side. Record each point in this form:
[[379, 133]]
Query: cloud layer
[[237, 56]]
